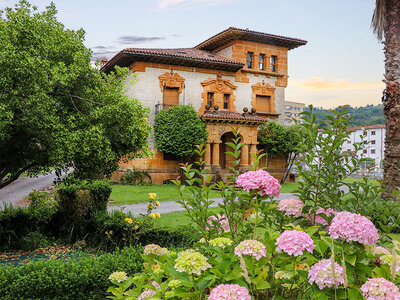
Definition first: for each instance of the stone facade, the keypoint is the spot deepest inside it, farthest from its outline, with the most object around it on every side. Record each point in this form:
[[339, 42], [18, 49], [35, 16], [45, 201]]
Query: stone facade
[[235, 74]]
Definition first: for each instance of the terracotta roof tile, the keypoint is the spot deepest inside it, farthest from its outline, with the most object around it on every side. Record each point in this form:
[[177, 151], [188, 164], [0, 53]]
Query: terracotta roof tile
[[179, 56], [233, 33], [229, 115], [373, 126], [190, 53]]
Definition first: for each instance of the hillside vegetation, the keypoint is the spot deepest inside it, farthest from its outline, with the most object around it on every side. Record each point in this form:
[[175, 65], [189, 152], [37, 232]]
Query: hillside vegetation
[[364, 115]]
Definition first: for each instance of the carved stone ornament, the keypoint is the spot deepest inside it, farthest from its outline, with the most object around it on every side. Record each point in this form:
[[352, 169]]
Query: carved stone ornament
[[171, 79]]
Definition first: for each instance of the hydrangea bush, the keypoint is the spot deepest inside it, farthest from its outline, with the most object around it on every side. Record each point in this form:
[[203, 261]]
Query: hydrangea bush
[[290, 250]]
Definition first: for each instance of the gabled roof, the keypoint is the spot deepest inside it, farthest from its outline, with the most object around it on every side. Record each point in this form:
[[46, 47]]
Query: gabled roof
[[181, 56], [233, 33]]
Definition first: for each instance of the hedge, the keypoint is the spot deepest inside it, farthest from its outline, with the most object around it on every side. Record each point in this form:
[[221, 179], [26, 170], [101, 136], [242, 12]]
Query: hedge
[[54, 279]]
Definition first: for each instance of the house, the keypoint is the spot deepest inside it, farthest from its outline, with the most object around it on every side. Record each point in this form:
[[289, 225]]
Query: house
[[236, 78], [292, 112], [373, 137]]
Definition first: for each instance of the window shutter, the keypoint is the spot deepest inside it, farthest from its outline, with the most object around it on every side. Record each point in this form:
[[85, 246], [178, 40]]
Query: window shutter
[[263, 103], [171, 96]]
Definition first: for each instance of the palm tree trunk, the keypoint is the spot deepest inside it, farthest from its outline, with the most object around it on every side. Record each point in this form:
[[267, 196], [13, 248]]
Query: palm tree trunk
[[391, 100]]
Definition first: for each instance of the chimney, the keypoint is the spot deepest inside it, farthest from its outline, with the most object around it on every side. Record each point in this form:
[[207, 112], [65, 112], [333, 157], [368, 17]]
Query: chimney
[[103, 62]]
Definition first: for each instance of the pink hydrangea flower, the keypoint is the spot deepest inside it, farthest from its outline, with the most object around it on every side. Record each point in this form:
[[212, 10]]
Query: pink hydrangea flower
[[259, 181], [222, 220], [230, 292], [380, 288], [252, 248], [294, 242], [291, 207], [148, 293], [321, 273], [320, 220], [353, 227]]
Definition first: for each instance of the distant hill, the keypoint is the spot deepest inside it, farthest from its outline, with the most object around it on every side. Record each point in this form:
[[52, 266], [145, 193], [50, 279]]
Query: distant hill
[[364, 115]]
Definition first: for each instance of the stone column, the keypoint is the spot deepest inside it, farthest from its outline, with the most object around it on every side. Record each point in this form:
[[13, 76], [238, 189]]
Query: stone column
[[215, 154], [244, 156], [253, 149], [207, 154]]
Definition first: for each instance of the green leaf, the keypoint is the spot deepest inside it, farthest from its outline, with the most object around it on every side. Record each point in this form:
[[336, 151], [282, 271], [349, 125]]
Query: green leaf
[[263, 285]]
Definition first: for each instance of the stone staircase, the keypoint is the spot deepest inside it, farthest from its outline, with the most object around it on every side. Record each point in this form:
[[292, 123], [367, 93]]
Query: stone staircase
[[222, 175]]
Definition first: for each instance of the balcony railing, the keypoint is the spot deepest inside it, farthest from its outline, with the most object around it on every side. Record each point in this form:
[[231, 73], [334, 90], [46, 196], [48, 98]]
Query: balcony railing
[[163, 106]]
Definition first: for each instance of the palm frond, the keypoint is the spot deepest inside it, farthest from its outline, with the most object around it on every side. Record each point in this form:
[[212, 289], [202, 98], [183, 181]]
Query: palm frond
[[379, 18]]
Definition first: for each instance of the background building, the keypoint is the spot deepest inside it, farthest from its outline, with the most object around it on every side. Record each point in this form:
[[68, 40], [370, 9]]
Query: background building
[[236, 78], [292, 111], [373, 136]]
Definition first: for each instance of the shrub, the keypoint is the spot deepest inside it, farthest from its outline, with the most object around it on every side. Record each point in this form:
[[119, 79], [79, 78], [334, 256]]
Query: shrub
[[26, 228], [179, 130], [177, 237], [136, 177], [84, 279], [78, 202]]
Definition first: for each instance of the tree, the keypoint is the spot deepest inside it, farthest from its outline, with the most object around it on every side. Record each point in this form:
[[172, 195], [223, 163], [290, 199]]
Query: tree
[[55, 109], [179, 130], [276, 139], [386, 23]]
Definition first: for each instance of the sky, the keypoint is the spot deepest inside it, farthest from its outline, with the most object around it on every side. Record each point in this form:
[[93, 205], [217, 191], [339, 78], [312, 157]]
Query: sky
[[342, 63]]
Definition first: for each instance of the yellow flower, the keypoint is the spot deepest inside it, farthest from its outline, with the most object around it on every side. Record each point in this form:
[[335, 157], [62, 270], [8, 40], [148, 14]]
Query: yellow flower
[[128, 220], [157, 203], [152, 216], [150, 206], [136, 227], [158, 215], [152, 196]]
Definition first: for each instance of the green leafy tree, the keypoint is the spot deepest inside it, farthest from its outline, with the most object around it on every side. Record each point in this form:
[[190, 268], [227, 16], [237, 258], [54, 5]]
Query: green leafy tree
[[276, 139], [55, 109], [179, 130]]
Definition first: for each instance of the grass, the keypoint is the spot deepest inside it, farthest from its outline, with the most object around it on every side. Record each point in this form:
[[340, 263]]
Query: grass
[[131, 194]]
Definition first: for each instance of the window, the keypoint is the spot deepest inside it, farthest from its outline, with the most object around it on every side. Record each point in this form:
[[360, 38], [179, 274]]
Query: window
[[261, 61], [263, 103], [210, 99], [373, 151], [249, 60], [273, 62], [365, 142], [365, 133], [171, 97], [226, 101], [372, 132], [348, 150], [373, 142], [348, 142], [365, 151]]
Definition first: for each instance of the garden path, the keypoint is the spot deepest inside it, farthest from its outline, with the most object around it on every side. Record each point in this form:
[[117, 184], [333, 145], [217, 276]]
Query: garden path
[[15, 192], [170, 206]]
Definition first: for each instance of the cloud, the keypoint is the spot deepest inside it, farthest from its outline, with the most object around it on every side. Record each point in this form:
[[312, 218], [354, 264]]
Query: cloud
[[133, 39], [317, 83], [103, 52], [188, 4], [166, 3]]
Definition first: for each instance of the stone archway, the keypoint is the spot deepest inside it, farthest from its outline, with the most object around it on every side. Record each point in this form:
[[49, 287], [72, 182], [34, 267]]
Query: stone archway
[[226, 160]]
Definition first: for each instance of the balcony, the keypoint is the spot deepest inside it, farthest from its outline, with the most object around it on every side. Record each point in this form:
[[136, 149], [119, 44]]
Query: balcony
[[163, 106]]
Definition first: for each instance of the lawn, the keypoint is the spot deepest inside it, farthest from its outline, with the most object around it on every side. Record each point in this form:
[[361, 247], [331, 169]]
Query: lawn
[[131, 194]]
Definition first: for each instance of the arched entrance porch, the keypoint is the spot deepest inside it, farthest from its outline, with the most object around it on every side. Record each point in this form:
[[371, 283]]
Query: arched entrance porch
[[219, 126]]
